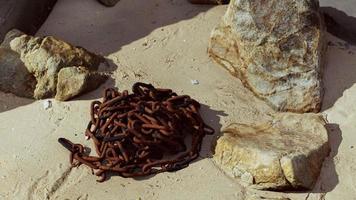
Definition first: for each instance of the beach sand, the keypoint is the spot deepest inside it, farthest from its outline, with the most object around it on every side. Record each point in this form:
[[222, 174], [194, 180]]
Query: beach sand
[[164, 43]]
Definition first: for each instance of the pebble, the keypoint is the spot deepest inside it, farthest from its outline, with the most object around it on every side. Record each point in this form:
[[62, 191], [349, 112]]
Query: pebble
[[47, 104], [194, 82]]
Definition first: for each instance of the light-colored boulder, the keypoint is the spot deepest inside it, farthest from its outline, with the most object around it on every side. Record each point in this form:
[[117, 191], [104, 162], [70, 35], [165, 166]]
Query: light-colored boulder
[[73, 81], [287, 152], [45, 57], [276, 48]]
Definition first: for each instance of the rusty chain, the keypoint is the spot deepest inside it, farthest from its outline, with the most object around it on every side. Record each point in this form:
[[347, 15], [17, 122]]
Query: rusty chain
[[142, 133]]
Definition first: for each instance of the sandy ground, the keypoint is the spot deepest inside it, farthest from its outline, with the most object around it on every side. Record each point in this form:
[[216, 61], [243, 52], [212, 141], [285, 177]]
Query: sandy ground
[[162, 42]]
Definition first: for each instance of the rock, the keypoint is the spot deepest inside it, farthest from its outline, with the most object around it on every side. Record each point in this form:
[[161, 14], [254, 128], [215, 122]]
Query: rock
[[14, 76], [276, 49], [109, 3], [287, 152], [47, 104], [45, 57], [10, 36], [209, 1], [73, 81]]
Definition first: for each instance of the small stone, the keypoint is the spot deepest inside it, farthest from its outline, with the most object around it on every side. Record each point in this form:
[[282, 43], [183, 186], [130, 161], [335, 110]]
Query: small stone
[[73, 81], [194, 82], [47, 104]]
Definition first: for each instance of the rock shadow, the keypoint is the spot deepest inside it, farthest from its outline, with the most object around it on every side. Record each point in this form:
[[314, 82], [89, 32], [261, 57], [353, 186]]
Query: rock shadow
[[9, 101], [328, 178], [105, 30], [339, 71], [340, 24], [340, 67], [211, 118]]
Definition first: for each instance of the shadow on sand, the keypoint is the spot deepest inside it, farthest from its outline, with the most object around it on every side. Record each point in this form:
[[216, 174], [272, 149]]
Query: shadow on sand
[[340, 67], [328, 178], [106, 30]]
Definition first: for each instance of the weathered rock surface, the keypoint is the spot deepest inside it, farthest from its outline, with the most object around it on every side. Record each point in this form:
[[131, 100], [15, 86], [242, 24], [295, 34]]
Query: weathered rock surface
[[73, 81], [45, 57], [288, 152], [276, 49]]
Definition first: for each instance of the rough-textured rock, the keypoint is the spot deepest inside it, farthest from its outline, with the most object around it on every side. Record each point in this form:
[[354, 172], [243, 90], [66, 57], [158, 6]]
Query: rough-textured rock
[[288, 152], [73, 81], [45, 57], [276, 48]]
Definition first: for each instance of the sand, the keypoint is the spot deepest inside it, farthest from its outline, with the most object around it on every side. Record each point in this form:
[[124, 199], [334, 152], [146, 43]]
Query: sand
[[164, 43]]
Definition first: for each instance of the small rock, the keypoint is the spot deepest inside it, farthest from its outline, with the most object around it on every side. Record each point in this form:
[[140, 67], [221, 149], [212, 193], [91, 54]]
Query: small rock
[[43, 58], [73, 81], [47, 104], [194, 82]]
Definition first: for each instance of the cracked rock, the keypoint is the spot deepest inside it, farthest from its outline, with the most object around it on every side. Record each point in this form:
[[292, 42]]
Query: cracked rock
[[276, 48], [286, 153]]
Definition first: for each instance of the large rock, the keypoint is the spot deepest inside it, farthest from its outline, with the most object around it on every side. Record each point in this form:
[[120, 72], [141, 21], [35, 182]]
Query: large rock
[[45, 57], [288, 152], [275, 47], [73, 81]]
